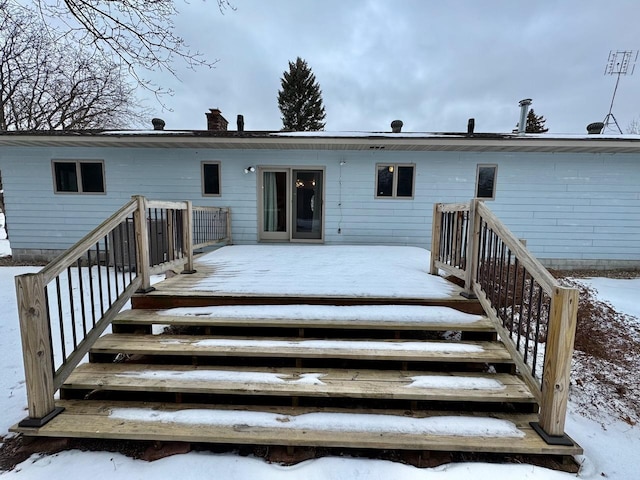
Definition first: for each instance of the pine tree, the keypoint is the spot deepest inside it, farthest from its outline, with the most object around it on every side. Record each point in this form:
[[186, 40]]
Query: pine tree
[[300, 99], [535, 123]]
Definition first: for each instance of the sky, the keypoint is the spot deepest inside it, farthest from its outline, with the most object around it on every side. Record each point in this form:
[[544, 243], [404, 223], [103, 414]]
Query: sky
[[432, 65]]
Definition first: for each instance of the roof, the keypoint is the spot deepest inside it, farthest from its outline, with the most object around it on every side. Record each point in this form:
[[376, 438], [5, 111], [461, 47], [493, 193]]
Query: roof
[[405, 141]]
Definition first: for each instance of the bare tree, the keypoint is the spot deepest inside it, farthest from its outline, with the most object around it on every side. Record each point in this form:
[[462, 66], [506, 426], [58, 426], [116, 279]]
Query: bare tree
[[139, 33], [634, 127], [58, 85]]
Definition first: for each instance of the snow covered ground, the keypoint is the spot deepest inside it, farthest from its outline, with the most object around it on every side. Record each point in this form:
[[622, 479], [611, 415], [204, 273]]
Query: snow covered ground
[[4, 242], [611, 446]]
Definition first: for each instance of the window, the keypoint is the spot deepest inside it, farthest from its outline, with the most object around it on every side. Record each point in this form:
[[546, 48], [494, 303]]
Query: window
[[394, 180], [486, 181], [211, 178], [78, 176]]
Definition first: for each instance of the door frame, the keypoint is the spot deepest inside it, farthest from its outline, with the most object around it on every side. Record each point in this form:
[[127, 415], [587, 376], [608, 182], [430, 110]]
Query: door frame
[[288, 235]]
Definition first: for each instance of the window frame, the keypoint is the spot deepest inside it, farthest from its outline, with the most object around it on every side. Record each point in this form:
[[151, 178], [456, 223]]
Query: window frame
[[78, 164], [394, 187], [202, 178], [495, 180]]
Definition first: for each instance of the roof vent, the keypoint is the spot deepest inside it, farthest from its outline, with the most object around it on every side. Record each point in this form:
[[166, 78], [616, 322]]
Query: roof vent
[[595, 128], [524, 109], [396, 126], [158, 123], [471, 125]]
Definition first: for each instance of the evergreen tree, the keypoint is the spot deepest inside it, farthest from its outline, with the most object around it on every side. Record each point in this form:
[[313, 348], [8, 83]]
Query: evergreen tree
[[300, 99], [535, 123]]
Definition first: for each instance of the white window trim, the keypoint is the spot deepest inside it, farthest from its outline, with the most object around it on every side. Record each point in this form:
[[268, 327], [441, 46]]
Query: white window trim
[[211, 162], [394, 191], [495, 179]]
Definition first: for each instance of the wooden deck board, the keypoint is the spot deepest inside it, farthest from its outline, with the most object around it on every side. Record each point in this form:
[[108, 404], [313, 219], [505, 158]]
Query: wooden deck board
[[152, 317], [381, 384], [297, 348], [91, 419]]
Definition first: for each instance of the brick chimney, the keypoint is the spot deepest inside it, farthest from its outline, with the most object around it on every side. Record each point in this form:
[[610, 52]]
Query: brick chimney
[[215, 120]]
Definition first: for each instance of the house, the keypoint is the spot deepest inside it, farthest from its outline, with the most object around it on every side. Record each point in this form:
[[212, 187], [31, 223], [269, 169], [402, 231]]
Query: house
[[574, 198]]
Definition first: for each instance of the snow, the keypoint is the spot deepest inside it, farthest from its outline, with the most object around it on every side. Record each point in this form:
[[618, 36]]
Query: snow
[[328, 422], [441, 135], [311, 270], [623, 293], [611, 450], [5, 249], [370, 313], [458, 382], [346, 345], [225, 376]]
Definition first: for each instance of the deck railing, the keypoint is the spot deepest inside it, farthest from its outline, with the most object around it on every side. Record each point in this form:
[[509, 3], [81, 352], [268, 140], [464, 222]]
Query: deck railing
[[65, 307], [534, 315]]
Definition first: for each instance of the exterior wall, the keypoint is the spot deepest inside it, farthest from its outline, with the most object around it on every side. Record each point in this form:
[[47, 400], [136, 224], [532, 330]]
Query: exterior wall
[[580, 209]]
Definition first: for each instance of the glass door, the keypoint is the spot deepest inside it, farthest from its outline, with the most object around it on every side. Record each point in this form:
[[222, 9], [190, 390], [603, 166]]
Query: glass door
[[275, 200], [290, 204], [307, 204]]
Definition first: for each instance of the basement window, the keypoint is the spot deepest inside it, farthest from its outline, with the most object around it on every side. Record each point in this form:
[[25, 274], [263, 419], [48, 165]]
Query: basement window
[[211, 179], [78, 176], [394, 180], [486, 181]]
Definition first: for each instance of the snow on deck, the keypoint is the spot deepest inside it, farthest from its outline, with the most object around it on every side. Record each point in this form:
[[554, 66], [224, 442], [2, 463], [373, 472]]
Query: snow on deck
[[443, 382], [226, 376], [323, 270], [328, 422], [349, 345], [372, 313]]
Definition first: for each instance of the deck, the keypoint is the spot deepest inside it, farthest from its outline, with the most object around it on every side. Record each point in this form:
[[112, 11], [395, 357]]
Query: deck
[[346, 346]]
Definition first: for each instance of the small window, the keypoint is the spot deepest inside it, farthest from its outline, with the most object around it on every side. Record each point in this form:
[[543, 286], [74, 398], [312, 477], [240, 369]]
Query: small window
[[486, 181], [211, 178], [394, 180], [78, 176]]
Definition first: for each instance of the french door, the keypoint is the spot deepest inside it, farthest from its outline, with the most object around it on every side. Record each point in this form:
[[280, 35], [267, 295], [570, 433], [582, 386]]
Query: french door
[[290, 204]]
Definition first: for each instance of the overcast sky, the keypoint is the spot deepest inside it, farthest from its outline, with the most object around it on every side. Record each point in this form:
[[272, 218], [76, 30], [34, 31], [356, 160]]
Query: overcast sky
[[432, 64]]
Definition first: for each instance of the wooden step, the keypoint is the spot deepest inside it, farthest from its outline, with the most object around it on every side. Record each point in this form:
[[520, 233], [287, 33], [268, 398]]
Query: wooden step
[[382, 317], [296, 426], [164, 299], [379, 384], [398, 350]]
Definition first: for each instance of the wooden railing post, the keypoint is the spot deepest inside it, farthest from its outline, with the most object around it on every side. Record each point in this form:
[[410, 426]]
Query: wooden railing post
[[187, 237], [142, 244], [557, 365], [473, 244], [36, 349], [436, 229], [229, 238]]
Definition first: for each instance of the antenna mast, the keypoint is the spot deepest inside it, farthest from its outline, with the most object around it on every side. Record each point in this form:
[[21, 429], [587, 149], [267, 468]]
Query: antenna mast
[[619, 63]]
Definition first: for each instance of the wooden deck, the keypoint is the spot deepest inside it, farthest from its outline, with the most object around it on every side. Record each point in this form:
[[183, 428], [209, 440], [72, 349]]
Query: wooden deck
[[401, 371]]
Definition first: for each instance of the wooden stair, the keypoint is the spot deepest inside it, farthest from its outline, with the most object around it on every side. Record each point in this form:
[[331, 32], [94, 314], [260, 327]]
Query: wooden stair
[[430, 378]]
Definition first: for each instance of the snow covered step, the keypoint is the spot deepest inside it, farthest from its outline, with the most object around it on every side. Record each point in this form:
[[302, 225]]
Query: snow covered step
[[395, 317], [379, 384], [508, 433], [398, 350]]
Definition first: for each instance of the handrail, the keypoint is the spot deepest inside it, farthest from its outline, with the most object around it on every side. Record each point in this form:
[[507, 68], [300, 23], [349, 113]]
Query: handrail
[[534, 315], [64, 308]]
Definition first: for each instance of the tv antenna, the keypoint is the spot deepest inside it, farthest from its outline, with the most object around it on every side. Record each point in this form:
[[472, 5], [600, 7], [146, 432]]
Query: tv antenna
[[620, 62]]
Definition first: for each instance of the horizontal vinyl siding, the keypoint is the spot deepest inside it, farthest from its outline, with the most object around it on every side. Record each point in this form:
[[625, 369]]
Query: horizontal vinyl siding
[[567, 206]]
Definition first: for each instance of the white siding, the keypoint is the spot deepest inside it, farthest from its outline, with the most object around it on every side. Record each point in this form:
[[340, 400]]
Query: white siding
[[568, 206]]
